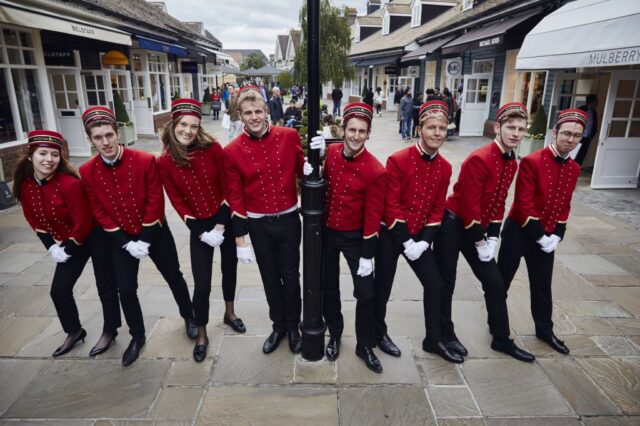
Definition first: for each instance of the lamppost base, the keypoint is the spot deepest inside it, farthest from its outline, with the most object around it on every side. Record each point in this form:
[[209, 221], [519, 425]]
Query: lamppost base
[[313, 342]]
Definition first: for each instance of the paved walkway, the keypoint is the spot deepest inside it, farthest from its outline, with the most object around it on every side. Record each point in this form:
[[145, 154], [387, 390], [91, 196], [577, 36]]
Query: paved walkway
[[596, 311]]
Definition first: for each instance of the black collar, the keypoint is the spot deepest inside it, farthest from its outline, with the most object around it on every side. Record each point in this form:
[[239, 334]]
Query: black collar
[[424, 155], [41, 182], [252, 136], [353, 157], [510, 155]]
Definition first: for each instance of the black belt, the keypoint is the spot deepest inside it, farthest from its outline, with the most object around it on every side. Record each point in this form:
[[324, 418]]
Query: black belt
[[276, 217], [451, 215]]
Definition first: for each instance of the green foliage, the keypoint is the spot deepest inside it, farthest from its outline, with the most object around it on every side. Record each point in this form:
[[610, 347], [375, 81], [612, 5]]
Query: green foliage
[[206, 96], [335, 43], [252, 61], [176, 95], [285, 79], [121, 112], [538, 127]]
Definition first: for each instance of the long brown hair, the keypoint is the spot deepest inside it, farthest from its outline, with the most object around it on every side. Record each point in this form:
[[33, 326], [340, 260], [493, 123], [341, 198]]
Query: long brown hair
[[175, 149], [25, 170]]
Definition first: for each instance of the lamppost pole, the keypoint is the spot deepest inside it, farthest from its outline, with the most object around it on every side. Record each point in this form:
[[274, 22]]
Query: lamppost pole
[[313, 326]]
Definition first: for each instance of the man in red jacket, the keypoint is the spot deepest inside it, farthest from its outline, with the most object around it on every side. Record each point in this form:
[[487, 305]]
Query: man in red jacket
[[125, 193], [261, 165], [354, 208], [476, 208], [417, 183], [538, 218]]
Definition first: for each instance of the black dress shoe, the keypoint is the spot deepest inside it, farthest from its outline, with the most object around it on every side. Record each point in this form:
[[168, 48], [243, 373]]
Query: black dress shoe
[[333, 348], [133, 351], [272, 342], [557, 344], [295, 341], [370, 359], [456, 346], [97, 351], [387, 346], [508, 347], [200, 351], [65, 349], [236, 325], [440, 349], [191, 328]]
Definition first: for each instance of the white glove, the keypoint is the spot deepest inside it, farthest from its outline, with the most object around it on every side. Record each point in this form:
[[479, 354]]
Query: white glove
[[413, 250], [365, 267], [307, 169], [136, 250], [546, 244], [492, 242], [213, 238], [58, 254], [485, 253], [245, 255], [318, 142]]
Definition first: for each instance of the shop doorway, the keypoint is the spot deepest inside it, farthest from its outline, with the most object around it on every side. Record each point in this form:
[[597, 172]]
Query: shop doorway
[[475, 108], [68, 106], [142, 104], [121, 84], [617, 163]]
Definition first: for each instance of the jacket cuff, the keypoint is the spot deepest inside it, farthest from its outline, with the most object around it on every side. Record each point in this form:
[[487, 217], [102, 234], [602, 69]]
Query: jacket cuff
[[240, 226], [475, 233], [120, 237], [46, 239], [400, 232], [70, 247], [369, 247], [560, 229], [150, 233], [429, 233], [534, 229], [494, 229], [198, 226]]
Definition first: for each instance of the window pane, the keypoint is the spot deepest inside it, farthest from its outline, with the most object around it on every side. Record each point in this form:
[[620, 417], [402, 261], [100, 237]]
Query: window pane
[[103, 100], [567, 86], [57, 82], [7, 128], [636, 109], [625, 88], [14, 56], [71, 82], [621, 109], [73, 100], [617, 129], [484, 90], [634, 129], [28, 57], [473, 84], [61, 100], [10, 37], [25, 39], [471, 97], [92, 98], [28, 98], [100, 80], [90, 82]]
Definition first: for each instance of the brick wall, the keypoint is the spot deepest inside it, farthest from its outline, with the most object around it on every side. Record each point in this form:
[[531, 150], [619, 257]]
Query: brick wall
[[159, 120]]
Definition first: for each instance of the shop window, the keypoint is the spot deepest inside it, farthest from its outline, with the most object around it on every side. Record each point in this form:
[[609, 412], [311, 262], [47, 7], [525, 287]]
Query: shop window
[[95, 89], [430, 75], [174, 85], [7, 126], [483, 67], [27, 95], [136, 62]]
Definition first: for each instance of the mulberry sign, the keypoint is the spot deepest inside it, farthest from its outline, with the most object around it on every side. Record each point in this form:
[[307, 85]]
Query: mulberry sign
[[614, 57]]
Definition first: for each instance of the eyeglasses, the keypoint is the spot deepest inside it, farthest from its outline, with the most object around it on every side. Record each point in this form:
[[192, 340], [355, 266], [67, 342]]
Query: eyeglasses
[[569, 135]]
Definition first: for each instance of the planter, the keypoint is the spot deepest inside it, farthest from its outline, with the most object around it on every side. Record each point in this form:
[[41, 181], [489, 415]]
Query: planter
[[529, 145], [127, 134], [206, 108]]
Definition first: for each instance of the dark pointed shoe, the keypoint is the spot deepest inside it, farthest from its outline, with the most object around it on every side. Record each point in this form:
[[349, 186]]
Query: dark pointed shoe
[[456, 346], [65, 349], [441, 350], [387, 346], [295, 341], [133, 351], [508, 347], [200, 351], [333, 348], [97, 351], [272, 342], [191, 328], [370, 359], [236, 325], [555, 343]]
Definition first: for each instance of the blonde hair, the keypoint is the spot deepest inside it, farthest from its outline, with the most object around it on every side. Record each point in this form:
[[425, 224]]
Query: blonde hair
[[436, 115]]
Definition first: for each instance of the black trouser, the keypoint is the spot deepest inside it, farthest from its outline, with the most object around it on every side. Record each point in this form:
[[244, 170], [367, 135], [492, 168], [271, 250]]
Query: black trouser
[[426, 269], [64, 279], [216, 114], [350, 244], [584, 148], [516, 244], [276, 242], [452, 241], [164, 255], [202, 266]]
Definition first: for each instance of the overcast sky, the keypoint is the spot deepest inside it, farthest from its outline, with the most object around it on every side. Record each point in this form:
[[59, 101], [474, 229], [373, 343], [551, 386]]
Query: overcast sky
[[247, 24]]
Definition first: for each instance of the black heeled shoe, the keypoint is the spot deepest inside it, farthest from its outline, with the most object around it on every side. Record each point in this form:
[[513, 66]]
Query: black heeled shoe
[[200, 351], [65, 349], [236, 325], [97, 351], [133, 351]]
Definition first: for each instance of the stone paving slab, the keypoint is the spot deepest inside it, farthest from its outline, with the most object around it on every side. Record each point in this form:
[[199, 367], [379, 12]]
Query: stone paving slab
[[619, 379], [452, 401], [17, 332], [15, 376], [580, 346], [177, 403], [437, 371], [611, 421], [539, 421], [189, 373], [590, 264]]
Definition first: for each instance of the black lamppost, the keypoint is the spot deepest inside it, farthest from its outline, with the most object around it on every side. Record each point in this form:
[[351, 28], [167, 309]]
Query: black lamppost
[[313, 187]]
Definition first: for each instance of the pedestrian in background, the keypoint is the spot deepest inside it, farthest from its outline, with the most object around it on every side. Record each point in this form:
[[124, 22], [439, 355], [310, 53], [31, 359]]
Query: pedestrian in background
[[235, 125], [216, 103], [56, 207], [377, 101], [275, 107], [336, 97], [406, 110]]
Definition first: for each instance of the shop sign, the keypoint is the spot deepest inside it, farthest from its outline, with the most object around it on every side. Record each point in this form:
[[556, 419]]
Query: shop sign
[[391, 70], [189, 67], [454, 67], [59, 57], [491, 41]]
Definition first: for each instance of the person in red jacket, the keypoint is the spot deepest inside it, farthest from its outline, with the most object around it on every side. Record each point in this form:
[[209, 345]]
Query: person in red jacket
[[538, 217], [471, 226], [261, 165], [417, 183], [56, 207], [354, 208], [191, 169], [125, 193]]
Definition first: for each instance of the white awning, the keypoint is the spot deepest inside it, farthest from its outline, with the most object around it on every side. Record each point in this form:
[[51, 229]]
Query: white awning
[[584, 33], [60, 24]]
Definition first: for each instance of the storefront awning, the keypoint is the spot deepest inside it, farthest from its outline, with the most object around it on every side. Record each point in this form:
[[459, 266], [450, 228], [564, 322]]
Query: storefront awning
[[487, 36], [373, 62], [161, 46], [424, 50], [18, 15], [584, 33]]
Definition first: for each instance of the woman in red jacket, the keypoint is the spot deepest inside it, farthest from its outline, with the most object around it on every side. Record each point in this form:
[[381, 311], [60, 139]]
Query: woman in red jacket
[[56, 207], [191, 168]]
